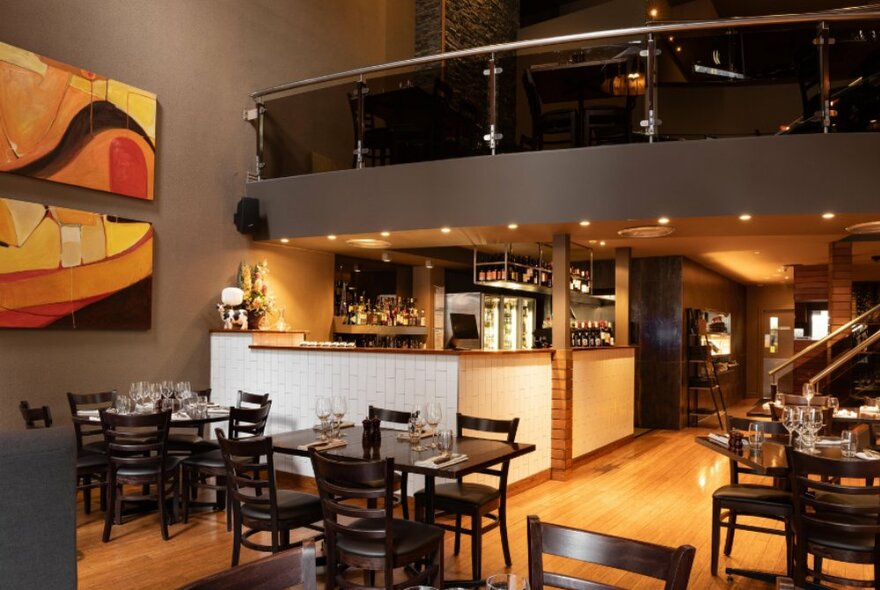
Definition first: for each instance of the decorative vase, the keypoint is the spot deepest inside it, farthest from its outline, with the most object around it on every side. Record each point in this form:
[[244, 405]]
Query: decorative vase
[[255, 320]]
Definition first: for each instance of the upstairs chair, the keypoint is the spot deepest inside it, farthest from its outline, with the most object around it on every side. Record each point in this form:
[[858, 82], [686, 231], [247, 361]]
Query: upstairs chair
[[377, 140], [187, 440], [89, 439], [252, 399], [137, 456], [476, 500], [88, 465], [400, 479], [257, 503], [243, 422], [606, 124], [672, 565], [276, 572], [749, 499], [371, 539], [562, 123], [839, 521], [33, 415]]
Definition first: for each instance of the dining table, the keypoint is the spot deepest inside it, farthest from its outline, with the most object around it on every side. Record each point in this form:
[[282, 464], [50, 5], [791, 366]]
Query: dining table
[[178, 419], [481, 453]]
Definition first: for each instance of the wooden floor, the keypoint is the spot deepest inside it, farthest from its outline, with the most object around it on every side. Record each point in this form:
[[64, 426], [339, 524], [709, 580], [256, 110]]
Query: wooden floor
[[657, 488]]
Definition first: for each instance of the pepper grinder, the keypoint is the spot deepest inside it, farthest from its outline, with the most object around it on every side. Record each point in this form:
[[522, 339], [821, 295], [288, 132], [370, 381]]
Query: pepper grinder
[[367, 438], [376, 432]]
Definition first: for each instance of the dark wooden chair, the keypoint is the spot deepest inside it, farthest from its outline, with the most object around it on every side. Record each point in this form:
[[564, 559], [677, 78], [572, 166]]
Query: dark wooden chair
[[33, 415], [276, 572], [476, 500], [196, 469], [820, 401], [189, 439], [89, 439], [253, 399], [672, 565], [91, 468], [605, 124], [137, 456], [750, 499], [371, 539], [257, 503], [400, 478], [839, 521], [563, 124]]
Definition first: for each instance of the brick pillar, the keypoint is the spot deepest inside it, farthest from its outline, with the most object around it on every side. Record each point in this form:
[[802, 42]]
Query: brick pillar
[[561, 416], [839, 283]]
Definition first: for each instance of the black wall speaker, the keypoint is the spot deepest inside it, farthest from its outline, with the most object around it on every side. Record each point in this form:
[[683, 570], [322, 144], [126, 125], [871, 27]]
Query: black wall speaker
[[247, 215]]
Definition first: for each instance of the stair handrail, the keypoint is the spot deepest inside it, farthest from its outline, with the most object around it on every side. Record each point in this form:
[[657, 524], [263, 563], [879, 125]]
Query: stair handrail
[[790, 361], [844, 358]]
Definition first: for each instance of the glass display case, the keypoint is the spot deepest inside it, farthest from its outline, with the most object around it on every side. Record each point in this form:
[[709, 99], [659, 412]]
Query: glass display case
[[491, 322]]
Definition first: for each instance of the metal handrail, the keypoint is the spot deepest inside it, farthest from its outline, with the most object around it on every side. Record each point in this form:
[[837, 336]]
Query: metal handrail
[[844, 358], [772, 372], [871, 11]]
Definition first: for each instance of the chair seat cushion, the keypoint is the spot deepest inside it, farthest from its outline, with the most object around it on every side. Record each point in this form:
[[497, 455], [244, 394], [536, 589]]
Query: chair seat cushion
[[409, 537], [171, 464], [209, 460], [752, 493], [466, 493], [91, 460], [182, 439], [98, 447], [291, 505]]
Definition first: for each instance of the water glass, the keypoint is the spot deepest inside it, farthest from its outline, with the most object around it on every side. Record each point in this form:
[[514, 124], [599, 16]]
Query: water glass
[[756, 435], [507, 582], [848, 443], [444, 441], [202, 405], [416, 426], [834, 404]]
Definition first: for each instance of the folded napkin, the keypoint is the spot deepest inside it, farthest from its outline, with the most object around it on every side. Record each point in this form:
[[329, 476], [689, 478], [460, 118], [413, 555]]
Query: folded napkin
[[322, 445], [180, 416], [766, 405], [847, 414], [343, 425], [452, 459], [218, 410], [88, 412], [827, 441], [868, 455], [405, 435], [724, 439]]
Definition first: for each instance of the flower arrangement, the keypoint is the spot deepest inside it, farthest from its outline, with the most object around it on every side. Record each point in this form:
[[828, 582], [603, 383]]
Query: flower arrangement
[[258, 300]]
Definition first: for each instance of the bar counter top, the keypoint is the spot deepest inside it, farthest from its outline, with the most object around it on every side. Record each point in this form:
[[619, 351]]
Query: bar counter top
[[403, 350]]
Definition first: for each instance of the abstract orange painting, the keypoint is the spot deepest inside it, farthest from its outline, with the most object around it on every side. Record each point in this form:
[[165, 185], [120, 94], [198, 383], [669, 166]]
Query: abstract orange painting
[[63, 268], [69, 125]]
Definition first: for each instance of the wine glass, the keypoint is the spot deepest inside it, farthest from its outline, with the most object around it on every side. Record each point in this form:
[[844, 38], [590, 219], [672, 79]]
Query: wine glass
[[433, 415], [323, 409], [416, 425], [809, 392], [339, 406], [789, 419], [812, 424]]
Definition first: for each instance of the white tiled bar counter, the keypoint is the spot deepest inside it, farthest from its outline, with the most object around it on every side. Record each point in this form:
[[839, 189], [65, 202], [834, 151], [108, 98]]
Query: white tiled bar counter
[[487, 384]]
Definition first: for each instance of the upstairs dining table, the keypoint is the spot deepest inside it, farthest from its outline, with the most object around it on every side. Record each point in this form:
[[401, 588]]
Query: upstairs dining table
[[481, 453]]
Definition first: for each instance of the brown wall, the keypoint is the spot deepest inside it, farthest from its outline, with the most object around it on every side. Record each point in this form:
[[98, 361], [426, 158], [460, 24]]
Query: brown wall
[[202, 58], [758, 300]]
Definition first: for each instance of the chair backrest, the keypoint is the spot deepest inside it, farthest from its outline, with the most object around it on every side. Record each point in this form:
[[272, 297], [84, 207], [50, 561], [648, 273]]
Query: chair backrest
[[771, 428], [136, 440], [862, 435], [244, 422], [532, 95], [798, 400], [508, 427], [88, 401], [254, 399], [393, 416], [826, 508], [250, 472], [205, 393], [33, 415], [672, 565], [343, 487], [276, 572]]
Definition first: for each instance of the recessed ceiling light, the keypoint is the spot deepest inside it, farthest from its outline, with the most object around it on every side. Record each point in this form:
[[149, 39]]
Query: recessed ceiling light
[[385, 234], [756, 252], [828, 215], [368, 243], [646, 231], [869, 227], [780, 269], [584, 223], [331, 237], [284, 240], [602, 243], [386, 257], [445, 230], [653, 13], [512, 226], [678, 49], [592, 241], [663, 220], [745, 217]]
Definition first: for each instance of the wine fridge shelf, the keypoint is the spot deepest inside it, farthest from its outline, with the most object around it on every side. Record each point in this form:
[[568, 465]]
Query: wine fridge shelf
[[516, 286], [340, 328]]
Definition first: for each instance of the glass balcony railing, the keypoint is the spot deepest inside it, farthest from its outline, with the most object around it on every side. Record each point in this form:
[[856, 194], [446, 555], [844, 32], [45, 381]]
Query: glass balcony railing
[[814, 73]]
